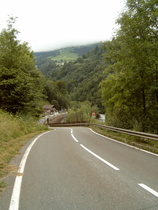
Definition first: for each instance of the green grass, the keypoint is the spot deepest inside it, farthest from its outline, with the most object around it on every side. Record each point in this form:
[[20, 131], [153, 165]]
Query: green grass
[[146, 144], [14, 133], [65, 55]]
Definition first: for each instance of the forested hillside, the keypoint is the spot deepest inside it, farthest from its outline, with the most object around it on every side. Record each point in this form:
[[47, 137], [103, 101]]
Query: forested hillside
[[83, 76], [47, 61], [85, 71]]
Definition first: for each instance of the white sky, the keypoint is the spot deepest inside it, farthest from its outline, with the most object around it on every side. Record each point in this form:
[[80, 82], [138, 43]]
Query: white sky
[[52, 24]]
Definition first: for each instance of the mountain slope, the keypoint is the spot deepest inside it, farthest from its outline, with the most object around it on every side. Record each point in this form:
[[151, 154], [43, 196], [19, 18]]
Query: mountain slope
[[83, 76], [47, 61]]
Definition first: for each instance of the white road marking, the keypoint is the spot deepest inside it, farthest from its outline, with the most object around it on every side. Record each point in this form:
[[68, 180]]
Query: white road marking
[[149, 189], [14, 203], [73, 135], [104, 161], [128, 145]]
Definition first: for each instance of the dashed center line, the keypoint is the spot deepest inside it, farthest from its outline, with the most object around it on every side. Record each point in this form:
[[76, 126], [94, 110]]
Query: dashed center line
[[92, 153], [73, 135], [149, 189], [97, 156], [112, 166]]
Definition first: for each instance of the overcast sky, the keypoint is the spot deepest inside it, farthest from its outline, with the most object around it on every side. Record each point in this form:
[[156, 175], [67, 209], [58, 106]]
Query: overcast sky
[[53, 24]]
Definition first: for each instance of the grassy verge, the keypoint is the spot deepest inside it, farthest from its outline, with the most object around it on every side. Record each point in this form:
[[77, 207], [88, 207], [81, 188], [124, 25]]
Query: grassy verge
[[146, 144], [14, 133]]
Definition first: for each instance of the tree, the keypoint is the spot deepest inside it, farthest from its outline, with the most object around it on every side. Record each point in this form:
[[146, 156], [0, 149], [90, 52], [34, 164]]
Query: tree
[[131, 93], [56, 94], [21, 84], [61, 86]]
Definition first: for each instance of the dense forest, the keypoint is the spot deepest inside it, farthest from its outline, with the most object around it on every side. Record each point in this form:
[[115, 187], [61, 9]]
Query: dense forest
[[119, 76]]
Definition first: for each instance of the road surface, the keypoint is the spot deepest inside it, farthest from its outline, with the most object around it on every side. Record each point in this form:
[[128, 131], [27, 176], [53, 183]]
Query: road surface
[[75, 168]]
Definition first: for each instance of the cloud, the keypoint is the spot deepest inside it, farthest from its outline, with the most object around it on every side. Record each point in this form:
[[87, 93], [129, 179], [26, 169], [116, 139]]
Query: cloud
[[52, 24]]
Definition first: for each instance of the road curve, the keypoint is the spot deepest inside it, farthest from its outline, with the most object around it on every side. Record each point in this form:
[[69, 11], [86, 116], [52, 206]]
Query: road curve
[[74, 168]]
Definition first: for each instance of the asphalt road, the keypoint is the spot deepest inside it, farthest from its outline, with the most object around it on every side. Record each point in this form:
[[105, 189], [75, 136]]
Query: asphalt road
[[74, 168]]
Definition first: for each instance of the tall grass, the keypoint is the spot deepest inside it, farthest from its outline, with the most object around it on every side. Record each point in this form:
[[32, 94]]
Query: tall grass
[[15, 131]]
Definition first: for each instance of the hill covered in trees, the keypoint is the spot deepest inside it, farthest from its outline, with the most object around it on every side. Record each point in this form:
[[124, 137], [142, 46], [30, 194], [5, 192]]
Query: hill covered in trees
[[47, 61], [85, 71], [83, 76]]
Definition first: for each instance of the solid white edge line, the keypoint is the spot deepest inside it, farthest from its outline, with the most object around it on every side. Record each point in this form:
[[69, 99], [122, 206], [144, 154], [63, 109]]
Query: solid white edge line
[[149, 189], [128, 145], [14, 203], [106, 162]]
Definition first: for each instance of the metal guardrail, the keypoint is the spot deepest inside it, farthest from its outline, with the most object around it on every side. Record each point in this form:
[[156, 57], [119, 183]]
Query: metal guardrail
[[129, 132], [120, 130]]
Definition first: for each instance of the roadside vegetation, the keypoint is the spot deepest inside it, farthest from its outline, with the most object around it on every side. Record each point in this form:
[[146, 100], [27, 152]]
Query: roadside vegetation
[[22, 94], [130, 90], [15, 132], [82, 112]]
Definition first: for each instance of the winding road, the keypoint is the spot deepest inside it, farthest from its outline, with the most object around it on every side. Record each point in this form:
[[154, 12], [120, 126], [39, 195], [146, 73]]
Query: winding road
[[76, 168]]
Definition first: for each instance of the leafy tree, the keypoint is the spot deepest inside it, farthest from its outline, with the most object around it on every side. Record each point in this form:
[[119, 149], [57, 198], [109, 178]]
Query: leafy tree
[[130, 92], [50, 91], [61, 85], [56, 94], [21, 84]]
